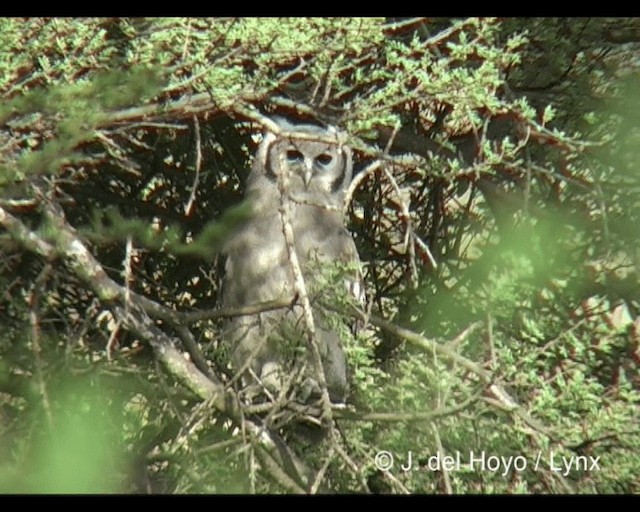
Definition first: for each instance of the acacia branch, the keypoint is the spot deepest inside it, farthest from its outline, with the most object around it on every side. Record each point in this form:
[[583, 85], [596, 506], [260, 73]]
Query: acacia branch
[[301, 290], [501, 398], [186, 106], [196, 179], [36, 347], [191, 317], [70, 248], [418, 416]]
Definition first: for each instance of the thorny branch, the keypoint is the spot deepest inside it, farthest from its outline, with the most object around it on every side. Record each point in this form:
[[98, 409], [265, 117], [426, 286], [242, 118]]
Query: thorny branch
[[36, 346], [136, 313], [72, 251], [196, 178], [301, 291], [207, 386], [69, 247]]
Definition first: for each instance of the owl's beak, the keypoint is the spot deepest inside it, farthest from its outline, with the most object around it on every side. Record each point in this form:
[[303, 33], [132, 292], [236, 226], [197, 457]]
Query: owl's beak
[[308, 174]]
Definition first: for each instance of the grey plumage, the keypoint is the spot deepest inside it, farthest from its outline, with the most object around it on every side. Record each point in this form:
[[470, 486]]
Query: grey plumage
[[270, 345]]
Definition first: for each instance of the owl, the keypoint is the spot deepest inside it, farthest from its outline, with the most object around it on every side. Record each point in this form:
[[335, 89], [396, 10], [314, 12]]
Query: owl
[[268, 349]]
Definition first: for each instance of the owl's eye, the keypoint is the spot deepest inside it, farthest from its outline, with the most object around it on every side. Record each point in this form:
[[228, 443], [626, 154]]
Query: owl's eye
[[324, 159], [294, 156]]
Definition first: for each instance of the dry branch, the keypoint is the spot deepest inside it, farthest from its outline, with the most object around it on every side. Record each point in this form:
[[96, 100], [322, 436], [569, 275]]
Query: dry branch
[[72, 251]]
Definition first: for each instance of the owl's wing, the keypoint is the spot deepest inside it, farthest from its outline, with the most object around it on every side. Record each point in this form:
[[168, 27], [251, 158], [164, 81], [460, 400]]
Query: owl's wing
[[349, 254], [354, 280], [355, 286]]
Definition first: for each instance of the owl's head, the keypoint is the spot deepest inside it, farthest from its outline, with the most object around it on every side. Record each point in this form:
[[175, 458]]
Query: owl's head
[[318, 165]]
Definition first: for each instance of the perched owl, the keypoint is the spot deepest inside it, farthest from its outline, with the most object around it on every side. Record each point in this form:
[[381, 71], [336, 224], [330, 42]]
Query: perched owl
[[268, 348]]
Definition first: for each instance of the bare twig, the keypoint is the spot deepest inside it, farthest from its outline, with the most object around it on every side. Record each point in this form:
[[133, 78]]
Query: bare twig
[[408, 238], [492, 349], [424, 248], [457, 340], [433, 41], [417, 416], [372, 168], [185, 46], [112, 341], [190, 317], [117, 153], [390, 476], [36, 348], [301, 290], [196, 178], [25, 236], [127, 274], [323, 470], [394, 133], [445, 472], [328, 79], [69, 247], [357, 471], [297, 107], [359, 178], [271, 126], [183, 107], [19, 205], [502, 398], [400, 25], [278, 473]]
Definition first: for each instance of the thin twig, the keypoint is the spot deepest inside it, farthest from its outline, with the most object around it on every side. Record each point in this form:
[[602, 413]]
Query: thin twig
[[191, 317], [418, 416], [408, 241], [353, 466], [394, 133], [426, 251], [361, 176], [301, 290], [82, 263], [36, 348], [396, 482], [318, 480], [116, 152], [196, 179], [398, 25], [492, 348], [502, 397], [328, 79], [127, 274], [185, 46], [442, 453], [277, 472]]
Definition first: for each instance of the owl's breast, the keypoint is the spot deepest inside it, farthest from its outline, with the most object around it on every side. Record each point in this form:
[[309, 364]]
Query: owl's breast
[[257, 265], [320, 232]]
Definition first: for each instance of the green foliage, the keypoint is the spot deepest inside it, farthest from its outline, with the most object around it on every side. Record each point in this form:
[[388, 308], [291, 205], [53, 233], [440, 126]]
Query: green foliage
[[72, 444], [76, 111], [115, 228]]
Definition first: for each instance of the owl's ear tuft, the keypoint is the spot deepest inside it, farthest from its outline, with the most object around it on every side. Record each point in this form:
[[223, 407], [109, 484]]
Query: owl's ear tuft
[[347, 156]]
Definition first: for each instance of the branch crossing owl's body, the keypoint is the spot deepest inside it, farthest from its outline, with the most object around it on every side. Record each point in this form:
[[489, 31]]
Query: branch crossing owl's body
[[258, 267]]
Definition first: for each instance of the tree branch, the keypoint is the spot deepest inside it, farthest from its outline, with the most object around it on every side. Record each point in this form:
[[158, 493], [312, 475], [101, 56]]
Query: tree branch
[[301, 290], [82, 263], [502, 398]]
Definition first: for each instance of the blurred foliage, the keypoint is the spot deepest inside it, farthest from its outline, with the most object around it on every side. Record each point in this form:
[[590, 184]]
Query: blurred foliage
[[68, 440], [507, 151]]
